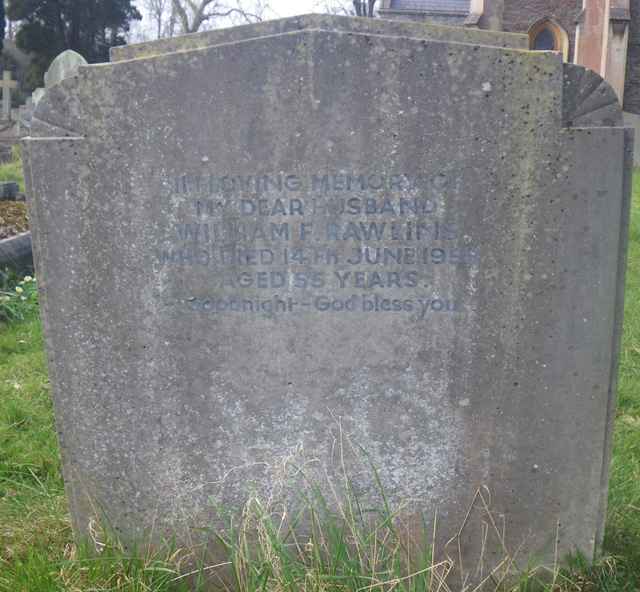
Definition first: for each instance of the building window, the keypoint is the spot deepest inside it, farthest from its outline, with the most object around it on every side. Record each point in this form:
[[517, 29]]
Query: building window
[[544, 41], [547, 35]]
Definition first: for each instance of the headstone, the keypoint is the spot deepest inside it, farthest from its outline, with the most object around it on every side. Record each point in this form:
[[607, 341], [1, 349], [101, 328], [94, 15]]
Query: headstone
[[299, 23], [64, 66], [632, 120], [16, 255], [37, 95], [24, 117], [250, 248], [9, 191], [7, 85]]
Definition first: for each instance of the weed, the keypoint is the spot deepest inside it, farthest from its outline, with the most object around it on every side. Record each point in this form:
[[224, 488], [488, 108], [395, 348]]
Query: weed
[[18, 300]]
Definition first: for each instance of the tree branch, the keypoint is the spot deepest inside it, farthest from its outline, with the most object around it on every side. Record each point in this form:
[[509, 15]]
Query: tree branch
[[193, 13], [364, 7], [183, 17], [372, 4], [248, 16]]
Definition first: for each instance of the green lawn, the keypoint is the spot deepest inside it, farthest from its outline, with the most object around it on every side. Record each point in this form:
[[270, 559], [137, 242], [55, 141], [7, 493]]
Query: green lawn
[[12, 171], [623, 526], [36, 549]]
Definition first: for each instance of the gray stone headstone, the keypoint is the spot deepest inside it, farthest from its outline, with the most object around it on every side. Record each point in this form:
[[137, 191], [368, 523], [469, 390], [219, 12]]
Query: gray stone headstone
[[248, 249], [64, 66], [318, 21], [16, 254], [632, 120], [9, 191], [7, 84], [37, 95], [25, 114]]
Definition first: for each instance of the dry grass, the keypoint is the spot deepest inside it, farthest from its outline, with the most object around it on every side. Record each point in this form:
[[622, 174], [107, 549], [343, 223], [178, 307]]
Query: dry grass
[[14, 218]]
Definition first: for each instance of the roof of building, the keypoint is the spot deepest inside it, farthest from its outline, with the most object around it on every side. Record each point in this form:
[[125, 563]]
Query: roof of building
[[453, 6]]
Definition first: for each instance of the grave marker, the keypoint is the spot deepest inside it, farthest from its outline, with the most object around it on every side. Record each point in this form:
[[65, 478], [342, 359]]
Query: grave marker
[[243, 245], [7, 84]]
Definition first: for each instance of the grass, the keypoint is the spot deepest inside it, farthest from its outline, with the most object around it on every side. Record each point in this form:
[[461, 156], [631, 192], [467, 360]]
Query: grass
[[622, 538], [33, 518], [13, 215], [12, 171], [343, 552], [37, 553]]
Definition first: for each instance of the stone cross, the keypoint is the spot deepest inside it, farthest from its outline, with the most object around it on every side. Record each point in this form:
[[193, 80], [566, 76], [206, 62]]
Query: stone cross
[[7, 84]]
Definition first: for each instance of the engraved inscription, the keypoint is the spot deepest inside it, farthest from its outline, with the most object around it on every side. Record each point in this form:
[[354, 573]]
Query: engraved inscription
[[347, 243]]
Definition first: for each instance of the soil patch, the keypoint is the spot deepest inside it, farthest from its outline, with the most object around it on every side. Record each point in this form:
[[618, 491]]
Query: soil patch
[[14, 218]]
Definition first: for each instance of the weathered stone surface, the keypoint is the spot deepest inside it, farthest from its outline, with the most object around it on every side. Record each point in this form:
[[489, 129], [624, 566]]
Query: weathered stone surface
[[319, 21], [633, 121], [589, 101], [242, 246], [64, 66], [37, 95]]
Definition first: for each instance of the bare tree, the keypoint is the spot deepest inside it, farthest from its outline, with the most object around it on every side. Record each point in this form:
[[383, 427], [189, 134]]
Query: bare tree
[[348, 7], [193, 15], [160, 12], [344, 7], [259, 10], [364, 7]]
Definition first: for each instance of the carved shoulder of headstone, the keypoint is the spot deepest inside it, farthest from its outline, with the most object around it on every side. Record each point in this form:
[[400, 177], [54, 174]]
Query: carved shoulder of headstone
[[589, 100]]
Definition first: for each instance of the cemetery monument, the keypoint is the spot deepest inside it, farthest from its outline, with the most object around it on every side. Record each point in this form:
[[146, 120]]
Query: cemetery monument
[[7, 85], [254, 240]]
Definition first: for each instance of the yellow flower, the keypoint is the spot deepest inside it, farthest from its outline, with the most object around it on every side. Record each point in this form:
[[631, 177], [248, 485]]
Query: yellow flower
[[27, 279], [19, 290]]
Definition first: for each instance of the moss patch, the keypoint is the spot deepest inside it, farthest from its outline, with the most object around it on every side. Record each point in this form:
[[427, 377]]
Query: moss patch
[[14, 218]]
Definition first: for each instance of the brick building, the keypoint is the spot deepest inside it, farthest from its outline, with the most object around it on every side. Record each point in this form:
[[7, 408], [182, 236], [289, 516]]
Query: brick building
[[632, 81], [603, 35]]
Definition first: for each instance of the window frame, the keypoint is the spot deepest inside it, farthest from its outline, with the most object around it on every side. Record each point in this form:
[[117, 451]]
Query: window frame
[[560, 36]]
